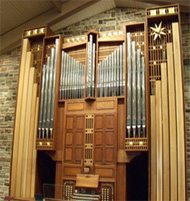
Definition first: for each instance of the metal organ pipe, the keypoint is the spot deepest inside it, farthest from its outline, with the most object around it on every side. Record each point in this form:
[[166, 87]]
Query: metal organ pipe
[[111, 78], [72, 79], [129, 95], [136, 98], [47, 102]]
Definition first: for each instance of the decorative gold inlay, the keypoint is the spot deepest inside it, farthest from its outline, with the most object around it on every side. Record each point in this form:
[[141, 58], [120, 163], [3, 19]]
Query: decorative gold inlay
[[157, 31]]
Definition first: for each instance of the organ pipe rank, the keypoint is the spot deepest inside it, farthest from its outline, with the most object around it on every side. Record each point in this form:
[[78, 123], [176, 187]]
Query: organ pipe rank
[[47, 102], [111, 77], [136, 106], [72, 78], [91, 62]]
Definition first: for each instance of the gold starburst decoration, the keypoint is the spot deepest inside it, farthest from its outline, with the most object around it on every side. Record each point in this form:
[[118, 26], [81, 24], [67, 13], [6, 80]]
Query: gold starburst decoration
[[158, 31]]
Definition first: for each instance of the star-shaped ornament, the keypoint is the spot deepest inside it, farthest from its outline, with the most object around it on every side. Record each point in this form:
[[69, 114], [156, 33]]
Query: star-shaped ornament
[[158, 31]]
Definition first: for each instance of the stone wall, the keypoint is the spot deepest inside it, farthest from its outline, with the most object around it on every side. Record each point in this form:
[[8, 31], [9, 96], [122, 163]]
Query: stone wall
[[9, 64]]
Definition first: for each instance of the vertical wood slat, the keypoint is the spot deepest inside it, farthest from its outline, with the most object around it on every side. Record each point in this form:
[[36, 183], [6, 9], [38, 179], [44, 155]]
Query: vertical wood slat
[[159, 141], [179, 111], [165, 124], [30, 142], [172, 124], [23, 122], [153, 149], [25, 48], [34, 152], [26, 131]]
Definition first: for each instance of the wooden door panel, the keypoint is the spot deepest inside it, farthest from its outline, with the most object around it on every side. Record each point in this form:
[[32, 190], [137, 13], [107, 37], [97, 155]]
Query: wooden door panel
[[110, 121], [69, 139], [69, 123], [98, 138], [78, 154], [99, 122], [110, 138], [68, 154], [79, 122], [98, 154], [79, 138], [109, 154]]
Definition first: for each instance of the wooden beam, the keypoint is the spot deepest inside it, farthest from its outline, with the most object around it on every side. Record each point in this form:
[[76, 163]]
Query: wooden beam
[[172, 124], [34, 152], [179, 111], [27, 134], [25, 48], [57, 5], [159, 141], [20, 176], [184, 6], [29, 143], [166, 142], [153, 148]]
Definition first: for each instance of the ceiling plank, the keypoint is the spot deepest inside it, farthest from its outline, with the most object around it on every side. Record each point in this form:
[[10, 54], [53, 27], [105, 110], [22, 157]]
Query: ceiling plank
[[57, 5], [86, 12], [12, 38], [86, 4], [184, 5]]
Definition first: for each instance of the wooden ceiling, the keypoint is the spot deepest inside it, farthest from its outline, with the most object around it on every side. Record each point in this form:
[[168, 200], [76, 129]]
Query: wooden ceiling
[[16, 15]]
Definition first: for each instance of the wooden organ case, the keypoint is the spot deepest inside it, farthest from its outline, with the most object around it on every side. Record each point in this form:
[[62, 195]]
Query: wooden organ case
[[91, 127]]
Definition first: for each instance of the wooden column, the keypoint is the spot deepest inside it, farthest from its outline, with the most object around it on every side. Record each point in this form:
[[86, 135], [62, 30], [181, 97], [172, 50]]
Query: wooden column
[[159, 141], [165, 125], [25, 48], [172, 123], [179, 111], [121, 166], [29, 151], [28, 117], [153, 148], [34, 152]]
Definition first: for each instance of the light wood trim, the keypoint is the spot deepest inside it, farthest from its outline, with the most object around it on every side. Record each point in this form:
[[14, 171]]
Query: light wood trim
[[165, 124], [25, 48], [153, 148], [27, 77], [172, 124], [159, 141], [28, 116], [34, 152], [179, 112], [30, 142]]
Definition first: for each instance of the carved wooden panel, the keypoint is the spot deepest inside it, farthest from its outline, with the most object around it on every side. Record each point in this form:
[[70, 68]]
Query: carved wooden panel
[[105, 138], [98, 138], [98, 121], [109, 154], [69, 139], [105, 105], [98, 154], [110, 121], [74, 139], [104, 172], [109, 138], [89, 139], [79, 138], [71, 171], [75, 106], [68, 154], [69, 122]]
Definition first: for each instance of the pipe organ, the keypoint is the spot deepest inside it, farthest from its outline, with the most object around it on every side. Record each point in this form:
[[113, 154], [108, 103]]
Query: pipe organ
[[101, 116]]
